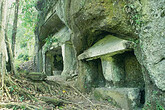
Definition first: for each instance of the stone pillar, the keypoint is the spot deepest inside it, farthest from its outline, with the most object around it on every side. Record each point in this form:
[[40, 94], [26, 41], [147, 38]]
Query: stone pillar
[[113, 71], [44, 61], [40, 61], [36, 57], [69, 59], [38, 54], [87, 76], [90, 75], [48, 64], [0, 64]]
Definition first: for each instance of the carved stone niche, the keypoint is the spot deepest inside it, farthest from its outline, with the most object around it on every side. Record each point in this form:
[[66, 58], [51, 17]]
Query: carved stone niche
[[119, 67], [54, 62]]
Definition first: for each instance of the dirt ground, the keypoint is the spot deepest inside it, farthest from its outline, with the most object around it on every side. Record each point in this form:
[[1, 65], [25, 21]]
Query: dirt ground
[[25, 94]]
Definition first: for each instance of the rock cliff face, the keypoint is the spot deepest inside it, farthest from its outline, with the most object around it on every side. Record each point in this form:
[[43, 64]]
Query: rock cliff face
[[88, 19], [151, 49], [107, 43]]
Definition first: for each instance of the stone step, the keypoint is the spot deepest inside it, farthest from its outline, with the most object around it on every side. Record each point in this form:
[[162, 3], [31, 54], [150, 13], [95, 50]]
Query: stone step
[[126, 98], [57, 72], [57, 78], [36, 76]]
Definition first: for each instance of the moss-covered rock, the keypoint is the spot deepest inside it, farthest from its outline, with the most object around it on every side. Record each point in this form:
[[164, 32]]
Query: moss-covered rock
[[36, 76], [150, 52], [88, 16], [126, 98], [92, 20]]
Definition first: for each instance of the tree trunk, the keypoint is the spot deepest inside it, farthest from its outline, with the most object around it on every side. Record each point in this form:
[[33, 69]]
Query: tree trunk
[[10, 55], [2, 41], [9, 50], [14, 31]]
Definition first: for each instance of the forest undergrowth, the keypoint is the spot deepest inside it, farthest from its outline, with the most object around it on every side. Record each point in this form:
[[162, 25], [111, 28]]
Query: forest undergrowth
[[21, 93]]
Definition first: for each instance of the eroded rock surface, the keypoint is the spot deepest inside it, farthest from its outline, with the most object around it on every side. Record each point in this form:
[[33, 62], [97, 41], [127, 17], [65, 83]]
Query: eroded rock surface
[[152, 42], [88, 22], [126, 98]]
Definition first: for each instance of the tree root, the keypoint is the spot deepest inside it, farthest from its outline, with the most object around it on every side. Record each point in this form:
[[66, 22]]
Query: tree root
[[9, 82], [7, 91], [57, 102], [27, 105], [46, 93], [19, 89], [48, 87], [82, 95], [70, 86]]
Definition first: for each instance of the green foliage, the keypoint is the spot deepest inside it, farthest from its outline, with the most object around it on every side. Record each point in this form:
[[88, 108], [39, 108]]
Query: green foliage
[[159, 107], [26, 58], [61, 108], [134, 16], [23, 57], [109, 100], [50, 40], [23, 108], [21, 98], [17, 63], [15, 107], [26, 27], [28, 18], [28, 13], [20, 56], [23, 45], [25, 38], [149, 106], [12, 89], [19, 107]]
